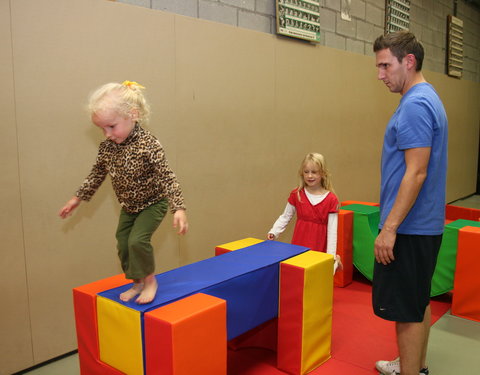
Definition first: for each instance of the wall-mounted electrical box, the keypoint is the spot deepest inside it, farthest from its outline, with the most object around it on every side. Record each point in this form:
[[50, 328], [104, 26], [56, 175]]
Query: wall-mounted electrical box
[[454, 46], [397, 15], [299, 19]]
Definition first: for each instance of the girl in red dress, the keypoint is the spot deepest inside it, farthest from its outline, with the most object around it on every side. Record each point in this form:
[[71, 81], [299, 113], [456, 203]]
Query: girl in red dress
[[316, 207]]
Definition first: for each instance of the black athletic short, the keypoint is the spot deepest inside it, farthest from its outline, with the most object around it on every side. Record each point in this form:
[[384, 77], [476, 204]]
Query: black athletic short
[[401, 289]]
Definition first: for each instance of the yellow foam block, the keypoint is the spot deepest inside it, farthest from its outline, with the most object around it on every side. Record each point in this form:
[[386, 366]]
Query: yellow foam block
[[314, 300], [236, 245], [120, 336]]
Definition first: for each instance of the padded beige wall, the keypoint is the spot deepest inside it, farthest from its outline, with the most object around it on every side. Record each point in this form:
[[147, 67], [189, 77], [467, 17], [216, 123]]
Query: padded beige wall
[[16, 338], [462, 103], [236, 111]]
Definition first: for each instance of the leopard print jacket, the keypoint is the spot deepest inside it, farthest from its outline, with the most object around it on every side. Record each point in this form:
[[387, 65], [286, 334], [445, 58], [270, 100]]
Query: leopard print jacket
[[138, 170]]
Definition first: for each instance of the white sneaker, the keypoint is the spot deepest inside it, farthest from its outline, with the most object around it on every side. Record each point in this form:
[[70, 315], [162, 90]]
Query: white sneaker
[[388, 367], [393, 367]]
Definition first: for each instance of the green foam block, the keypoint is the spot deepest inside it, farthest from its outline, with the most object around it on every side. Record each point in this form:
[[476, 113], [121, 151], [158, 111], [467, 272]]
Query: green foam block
[[443, 276], [365, 230]]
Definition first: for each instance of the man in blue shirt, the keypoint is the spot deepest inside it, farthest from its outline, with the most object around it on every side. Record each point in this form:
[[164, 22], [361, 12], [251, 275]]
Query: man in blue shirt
[[412, 201]]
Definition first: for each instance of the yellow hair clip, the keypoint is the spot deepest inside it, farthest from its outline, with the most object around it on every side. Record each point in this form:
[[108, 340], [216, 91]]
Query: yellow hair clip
[[132, 83]]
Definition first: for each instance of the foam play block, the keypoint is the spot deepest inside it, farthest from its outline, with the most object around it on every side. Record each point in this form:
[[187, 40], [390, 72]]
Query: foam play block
[[118, 326], [187, 337], [236, 245], [84, 302], [455, 212], [343, 276], [305, 313], [443, 276], [346, 203], [365, 230], [466, 290], [246, 278]]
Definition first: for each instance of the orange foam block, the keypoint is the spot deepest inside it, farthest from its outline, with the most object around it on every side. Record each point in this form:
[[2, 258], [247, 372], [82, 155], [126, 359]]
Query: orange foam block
[[305, 312], [85, 306], [343, 276], [466, 285], [187, 337]]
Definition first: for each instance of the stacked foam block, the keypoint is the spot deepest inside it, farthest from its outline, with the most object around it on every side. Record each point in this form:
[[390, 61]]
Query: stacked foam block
[[458, 261], [445, 271], [303, 328], [199, 307], [366, 217], [466, 283], [289, 285]]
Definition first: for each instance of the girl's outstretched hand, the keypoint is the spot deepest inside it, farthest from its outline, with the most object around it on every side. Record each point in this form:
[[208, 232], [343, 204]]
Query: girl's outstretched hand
[[270, 236], [69, 207], [180, 221], [338, 265]]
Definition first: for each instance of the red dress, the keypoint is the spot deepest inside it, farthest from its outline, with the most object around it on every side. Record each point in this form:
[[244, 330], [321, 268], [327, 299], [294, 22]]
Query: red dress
[[311, 227]]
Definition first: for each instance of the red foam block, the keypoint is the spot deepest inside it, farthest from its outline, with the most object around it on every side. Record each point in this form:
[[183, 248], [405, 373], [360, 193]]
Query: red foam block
[[85, 307]]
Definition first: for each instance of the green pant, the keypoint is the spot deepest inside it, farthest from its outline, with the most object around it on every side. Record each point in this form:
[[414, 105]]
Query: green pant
[[134, 234]]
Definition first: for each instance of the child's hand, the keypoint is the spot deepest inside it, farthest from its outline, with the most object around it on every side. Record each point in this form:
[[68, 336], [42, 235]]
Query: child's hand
[[180, 221], [338, 265], [69, 207], [270, 236]]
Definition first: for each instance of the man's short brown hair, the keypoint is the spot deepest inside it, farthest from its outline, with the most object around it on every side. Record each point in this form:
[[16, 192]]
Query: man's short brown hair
[[401, 43]]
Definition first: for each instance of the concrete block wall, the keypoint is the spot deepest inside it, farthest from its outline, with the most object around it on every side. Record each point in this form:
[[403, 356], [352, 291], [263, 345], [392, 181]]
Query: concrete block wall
[[428, 20]]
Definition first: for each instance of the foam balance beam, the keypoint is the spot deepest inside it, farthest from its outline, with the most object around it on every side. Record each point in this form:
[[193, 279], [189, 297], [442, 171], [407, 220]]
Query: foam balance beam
[[264, 335], [466, 301], [247, 279], [305, 316]]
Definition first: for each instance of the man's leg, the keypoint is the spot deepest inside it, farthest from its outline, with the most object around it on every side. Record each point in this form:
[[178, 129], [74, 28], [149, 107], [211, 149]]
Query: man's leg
[[427, 319], [411, 339]]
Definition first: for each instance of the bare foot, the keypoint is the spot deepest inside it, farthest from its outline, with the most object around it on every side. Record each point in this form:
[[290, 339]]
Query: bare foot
[[132, 292], [149, 290]]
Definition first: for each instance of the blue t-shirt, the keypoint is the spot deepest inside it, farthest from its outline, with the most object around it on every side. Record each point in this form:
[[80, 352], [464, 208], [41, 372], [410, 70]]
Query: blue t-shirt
[[419, 121]]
